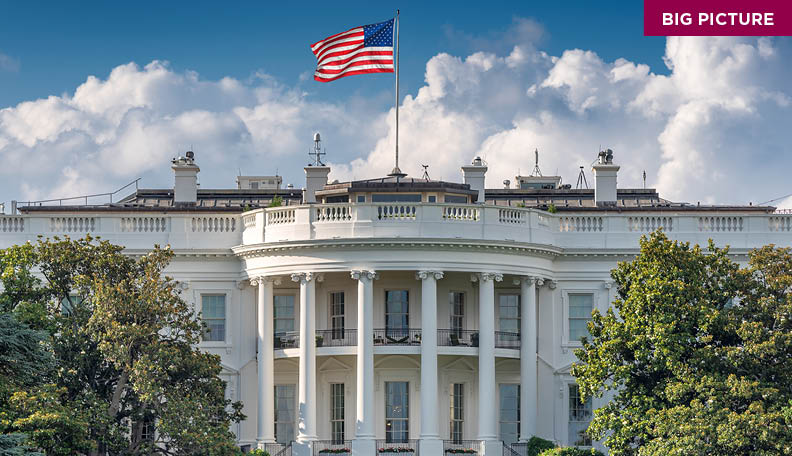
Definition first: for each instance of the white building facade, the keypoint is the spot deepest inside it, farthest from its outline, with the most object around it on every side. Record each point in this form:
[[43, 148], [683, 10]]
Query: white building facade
[[398, 312]]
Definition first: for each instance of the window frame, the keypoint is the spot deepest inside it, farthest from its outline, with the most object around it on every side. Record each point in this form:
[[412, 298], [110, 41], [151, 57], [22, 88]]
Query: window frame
[[406, 404], [226, 298], [400, 329], [294, 411], [333, 318], [500, 411], [334, 418], [565, 341], [581, 406], [275, 316], [455, 421], [519, 309], [452, 315]]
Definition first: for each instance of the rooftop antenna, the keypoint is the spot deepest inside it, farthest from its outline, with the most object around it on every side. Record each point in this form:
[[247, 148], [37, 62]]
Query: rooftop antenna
[[536, 171], [581, 180], [426, 172], [317, 153], [644, 179]]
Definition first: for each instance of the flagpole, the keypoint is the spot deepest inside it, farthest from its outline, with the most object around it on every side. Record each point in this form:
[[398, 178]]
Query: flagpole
[[396, 171]]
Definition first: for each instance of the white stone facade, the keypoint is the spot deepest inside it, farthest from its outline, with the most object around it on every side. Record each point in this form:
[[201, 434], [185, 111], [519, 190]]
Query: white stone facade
[[332, 311]]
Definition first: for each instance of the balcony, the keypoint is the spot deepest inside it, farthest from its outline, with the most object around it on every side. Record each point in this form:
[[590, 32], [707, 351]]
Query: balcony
[[330, 447], [397, 336], [507, 340], [405, 448], [457, 338], [336, 338], [461, 446]]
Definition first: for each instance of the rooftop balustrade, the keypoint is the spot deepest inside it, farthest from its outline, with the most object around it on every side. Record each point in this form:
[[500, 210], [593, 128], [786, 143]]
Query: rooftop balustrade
[[423, 221]]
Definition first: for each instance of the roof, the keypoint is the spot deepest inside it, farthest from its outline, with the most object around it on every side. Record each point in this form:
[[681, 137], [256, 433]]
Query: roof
[[148, 200], [396, 184]]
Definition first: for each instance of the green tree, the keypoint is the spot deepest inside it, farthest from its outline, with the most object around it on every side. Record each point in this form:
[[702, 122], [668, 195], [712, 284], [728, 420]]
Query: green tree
[[125, 354], [695, 353]]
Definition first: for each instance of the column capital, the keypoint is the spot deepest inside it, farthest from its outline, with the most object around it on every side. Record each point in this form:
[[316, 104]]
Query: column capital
[[260, 280], [486, 277], [358, 274], [426, 274], [528, 279], [305, 277], [551, 284], [608, 284]]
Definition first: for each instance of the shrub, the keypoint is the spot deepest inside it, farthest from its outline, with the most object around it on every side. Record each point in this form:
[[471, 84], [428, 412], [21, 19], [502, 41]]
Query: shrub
[[571, 451], [537, 445], [276, 202]]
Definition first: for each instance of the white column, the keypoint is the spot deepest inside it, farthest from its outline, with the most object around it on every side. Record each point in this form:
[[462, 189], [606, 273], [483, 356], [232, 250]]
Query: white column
[[488, 403], [527, 358], [306, 427], [365, 443], [430, 442], [265, 428]]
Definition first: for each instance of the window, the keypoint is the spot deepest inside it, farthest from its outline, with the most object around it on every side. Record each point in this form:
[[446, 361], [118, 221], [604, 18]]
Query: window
[[396, 197], [579, 418], [147, 431], [213, 311], [254, 185], [67, 304], [457, 412], [397, 412], [337, 199], [361, 198], [337, 412], [509, 305], [284, 413], [456, 199], [283, 312], [337, 314], [431, 199], [456, 300], [509, 412], [580, 306], [397, 313]]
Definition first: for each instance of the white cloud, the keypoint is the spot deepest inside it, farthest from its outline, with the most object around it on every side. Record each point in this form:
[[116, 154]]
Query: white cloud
[[714, 130]]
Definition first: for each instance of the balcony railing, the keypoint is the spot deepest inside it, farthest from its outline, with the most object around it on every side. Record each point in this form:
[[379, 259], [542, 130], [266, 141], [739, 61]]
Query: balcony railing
[[277, 449], [397, 336], [507, 340], [329, 447], [461, 446], [406, 448], [289, 339], [457, 338], [336, 337]]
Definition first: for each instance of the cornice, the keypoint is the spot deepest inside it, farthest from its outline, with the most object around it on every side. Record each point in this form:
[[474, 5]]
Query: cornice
[[262, 250]]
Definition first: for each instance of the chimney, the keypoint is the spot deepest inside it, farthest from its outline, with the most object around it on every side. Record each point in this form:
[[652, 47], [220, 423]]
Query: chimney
[[473, 175], [185, 187], [605, 179], [315, 180]]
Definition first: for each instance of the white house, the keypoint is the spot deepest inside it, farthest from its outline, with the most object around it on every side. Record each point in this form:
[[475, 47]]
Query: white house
[[399, 312]]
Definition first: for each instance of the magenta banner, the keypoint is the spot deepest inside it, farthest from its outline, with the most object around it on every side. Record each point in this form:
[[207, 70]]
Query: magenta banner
[[718, 17]]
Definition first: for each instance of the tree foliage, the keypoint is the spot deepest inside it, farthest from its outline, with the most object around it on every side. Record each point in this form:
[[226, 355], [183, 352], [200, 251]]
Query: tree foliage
[[124, 354], [695, 354]]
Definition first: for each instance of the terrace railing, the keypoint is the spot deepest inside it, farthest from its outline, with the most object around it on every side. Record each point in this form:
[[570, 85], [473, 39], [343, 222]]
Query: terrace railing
[[457, 338], [397, 336]]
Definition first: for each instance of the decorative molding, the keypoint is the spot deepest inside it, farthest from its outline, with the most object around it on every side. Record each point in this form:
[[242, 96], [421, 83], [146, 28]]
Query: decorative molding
[[241, 284], [358, 274], [184, 285], [552, 284], [423, 275], [275, 280], [520, 279], [608, 284]]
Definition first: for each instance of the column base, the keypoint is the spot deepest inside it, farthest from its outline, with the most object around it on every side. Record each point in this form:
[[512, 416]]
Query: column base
[[491, 448], [430, 446], [364, 447], [302, 449]]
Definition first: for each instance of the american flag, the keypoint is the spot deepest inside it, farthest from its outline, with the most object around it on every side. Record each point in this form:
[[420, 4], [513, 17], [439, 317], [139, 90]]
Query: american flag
[[367, 49]]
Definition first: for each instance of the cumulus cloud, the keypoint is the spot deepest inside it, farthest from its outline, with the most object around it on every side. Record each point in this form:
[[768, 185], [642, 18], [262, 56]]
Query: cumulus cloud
[[714, 130]]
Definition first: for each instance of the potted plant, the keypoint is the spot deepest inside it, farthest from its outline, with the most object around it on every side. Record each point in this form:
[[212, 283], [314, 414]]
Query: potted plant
[[319, 341], [474, 339]]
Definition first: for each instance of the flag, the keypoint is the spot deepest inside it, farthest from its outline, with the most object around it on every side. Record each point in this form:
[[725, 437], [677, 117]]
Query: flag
[[366, 49]]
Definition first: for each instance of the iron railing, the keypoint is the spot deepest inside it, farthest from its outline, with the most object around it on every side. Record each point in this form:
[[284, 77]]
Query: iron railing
[[290, 339], [277, 449], [462, 446], [336, 337], [405, 448], [514, 449], [329, 447], [507, 340], [397, 336], [457, 338]]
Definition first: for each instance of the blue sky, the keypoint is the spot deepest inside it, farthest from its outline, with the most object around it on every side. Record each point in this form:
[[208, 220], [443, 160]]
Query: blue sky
[[58, 44], [96, 94]]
